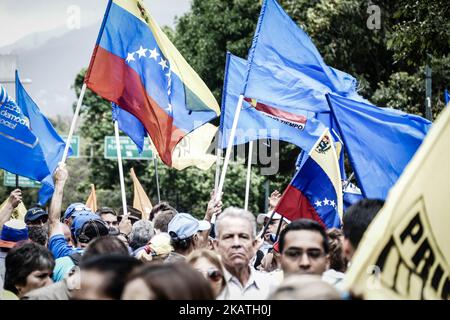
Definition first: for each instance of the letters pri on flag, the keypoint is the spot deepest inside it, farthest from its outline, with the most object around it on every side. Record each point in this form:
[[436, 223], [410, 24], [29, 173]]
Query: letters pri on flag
[[136, 66], [315, 192], [405, 252]]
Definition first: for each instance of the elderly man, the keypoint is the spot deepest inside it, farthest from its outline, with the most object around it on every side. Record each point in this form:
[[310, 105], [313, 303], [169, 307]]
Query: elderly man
[[236, 243]]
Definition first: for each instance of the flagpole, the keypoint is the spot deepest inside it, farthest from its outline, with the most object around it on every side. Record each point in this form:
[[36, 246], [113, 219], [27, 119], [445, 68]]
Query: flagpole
[[249, 171], [17, 181], [74, 121], [119, 161], [218, 155], [230, 145], [155, 163]]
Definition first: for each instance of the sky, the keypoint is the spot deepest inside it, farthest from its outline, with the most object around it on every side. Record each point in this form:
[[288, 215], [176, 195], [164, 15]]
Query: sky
[[19, 18]]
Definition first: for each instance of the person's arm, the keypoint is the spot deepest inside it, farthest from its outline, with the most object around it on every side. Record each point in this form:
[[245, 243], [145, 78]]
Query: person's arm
[[214, 207], [14, 199], [54, 215], [274, 199]]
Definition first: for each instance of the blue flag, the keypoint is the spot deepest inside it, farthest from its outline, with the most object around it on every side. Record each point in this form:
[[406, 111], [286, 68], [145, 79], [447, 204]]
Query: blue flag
[[260, 121], [352, 194], [29, 144], [286, 70], [380, 142], [446, 97], [129, 124]]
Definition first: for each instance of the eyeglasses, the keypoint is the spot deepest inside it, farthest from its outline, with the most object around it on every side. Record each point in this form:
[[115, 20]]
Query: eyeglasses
[[213, 274], [295, 254]]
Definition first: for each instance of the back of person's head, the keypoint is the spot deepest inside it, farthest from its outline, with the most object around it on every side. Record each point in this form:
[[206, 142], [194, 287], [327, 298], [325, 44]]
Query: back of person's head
[[304, 224], [337, 259], [358, 218], [39, 234], [141, 233], [105, 245], [103, 276], [162, 207], [24, 259], [89, 230], [305, 287], [162, 220], [167, 281], [237, 213]]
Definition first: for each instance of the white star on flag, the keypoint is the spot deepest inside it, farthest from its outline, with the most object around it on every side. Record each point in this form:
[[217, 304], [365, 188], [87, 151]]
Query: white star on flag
[[141, 52], [154, 54], [163, 63], [318, 203], [130, 57], [332, 203], [325, 201]]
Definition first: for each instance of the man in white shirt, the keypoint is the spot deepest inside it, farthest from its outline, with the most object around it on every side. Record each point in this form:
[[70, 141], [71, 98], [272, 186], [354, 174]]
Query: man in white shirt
[[236, 243]]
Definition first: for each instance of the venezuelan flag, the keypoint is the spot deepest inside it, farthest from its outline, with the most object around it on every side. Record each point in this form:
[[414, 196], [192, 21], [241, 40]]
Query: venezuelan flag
[[315, 192], [136, 66]]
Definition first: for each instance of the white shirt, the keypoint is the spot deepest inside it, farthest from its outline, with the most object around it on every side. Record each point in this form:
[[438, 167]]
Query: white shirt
[[258, 287]]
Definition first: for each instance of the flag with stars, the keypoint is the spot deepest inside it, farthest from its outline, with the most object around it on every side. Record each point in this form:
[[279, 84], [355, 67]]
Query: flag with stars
[[136, 66], [315, 192]]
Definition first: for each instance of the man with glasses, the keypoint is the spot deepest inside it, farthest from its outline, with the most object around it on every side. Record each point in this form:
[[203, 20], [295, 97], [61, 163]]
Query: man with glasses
[[304, 248]]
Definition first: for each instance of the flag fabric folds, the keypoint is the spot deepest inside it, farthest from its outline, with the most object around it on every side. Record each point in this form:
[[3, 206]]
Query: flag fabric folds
[[286, 71], [140, 200], [380, 142], [25, 131], [136, 66], [352, 194], [91, 202], [315, 192], [260, 121], [405, 252], [130, 125]]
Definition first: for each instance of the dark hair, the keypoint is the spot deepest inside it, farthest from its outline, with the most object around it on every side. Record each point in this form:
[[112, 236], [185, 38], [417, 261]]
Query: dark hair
[[358, 218], [23, 260], [116, 267], [106, 210], [90, 230], [162, 207], [337, 259], [181, 245], [105, 245], [304, 224], [161, 221], [132, 211], [38, 234], [174, 281]]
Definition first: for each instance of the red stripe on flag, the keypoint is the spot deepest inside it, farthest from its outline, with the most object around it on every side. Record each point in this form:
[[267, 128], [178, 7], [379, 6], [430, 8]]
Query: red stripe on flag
[[278, 112], [294, 205], [110, 77]]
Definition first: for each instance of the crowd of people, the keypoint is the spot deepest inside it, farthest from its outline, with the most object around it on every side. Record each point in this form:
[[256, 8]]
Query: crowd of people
[[230, 254]]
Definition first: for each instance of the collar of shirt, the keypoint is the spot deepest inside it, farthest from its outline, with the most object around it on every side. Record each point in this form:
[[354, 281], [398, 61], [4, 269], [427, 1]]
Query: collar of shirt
[[252, 279]]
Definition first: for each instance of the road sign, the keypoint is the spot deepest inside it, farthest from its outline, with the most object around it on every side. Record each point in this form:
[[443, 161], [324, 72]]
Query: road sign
[[9, 180], [128, 149], [75, 145]]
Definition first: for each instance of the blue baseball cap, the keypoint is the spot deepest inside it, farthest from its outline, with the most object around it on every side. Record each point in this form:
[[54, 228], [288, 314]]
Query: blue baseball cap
[[75, 208], [81, 225], [184, 226], [35, 213], [13, 231]]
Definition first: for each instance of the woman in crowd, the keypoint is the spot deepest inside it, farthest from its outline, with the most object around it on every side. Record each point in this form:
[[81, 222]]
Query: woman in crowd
[[208, 263], [29, 266]]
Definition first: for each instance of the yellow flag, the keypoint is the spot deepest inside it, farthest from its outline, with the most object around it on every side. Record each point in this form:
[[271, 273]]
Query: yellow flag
[[18, 213], [141, 200], [91, 202], [405, 252], [192, 149]]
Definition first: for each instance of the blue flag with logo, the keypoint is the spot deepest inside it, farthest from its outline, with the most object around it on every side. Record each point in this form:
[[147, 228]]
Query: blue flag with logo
[[260, 121], [287, 70], [380, 142], [29, 144], [129, 124]]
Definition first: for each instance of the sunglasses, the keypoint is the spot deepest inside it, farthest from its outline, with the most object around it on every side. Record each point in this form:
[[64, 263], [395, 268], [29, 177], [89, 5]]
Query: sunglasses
[[212, 274]]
